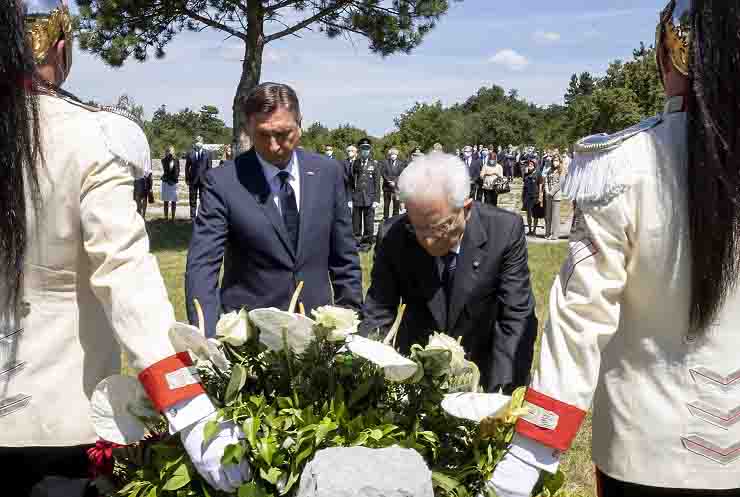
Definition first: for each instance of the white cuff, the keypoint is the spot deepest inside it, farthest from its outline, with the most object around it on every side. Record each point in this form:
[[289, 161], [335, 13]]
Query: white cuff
[[535, 454], [188, 412]]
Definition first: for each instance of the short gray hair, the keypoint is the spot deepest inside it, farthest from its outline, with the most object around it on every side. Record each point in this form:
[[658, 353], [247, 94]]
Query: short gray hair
[[434, 175]]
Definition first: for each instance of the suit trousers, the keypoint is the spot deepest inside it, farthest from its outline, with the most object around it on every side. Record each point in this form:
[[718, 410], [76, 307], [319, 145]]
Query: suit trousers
[[552, 217], [363, 222], [610, 487], [389, 197], [195, 191]]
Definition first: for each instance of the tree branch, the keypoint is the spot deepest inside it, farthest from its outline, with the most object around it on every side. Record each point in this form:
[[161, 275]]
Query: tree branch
[[210, 22], [308, 21], [281, 5]]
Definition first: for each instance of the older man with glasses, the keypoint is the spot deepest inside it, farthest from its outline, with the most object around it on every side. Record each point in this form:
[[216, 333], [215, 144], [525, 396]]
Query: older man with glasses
[[460, 267]]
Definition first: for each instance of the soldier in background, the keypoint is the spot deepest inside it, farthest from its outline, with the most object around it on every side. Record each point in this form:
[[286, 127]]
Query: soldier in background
[[366, 176]]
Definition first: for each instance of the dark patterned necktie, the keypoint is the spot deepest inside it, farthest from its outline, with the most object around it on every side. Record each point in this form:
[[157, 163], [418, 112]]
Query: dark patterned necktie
[[449, 265], [289, 207]]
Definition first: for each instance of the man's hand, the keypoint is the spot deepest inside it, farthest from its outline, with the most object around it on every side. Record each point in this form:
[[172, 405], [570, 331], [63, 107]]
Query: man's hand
[[513, 478], [375, 205], [206, 457]]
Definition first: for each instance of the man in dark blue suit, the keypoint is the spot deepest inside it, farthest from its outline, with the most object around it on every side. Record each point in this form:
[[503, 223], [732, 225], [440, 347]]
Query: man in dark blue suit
[[277, 216], [197, 162]]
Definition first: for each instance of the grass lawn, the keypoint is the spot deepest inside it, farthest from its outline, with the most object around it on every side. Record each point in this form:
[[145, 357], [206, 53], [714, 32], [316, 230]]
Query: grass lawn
[[169, 242]]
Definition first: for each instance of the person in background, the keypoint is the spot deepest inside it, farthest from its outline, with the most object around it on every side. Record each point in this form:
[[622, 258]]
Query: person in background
[[197, 162], [551, 183], [531, 198], [474, 166], [329, 151], [142, 187], [459, 266], [78, 283], [367, 177], [391, 170], [491, 175], [228, 156], [170, 177], [349, 167], [437, 147]]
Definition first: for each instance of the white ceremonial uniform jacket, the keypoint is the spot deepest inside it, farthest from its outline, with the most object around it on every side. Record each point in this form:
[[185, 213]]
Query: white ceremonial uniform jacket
[[666, 402], [90, 281]]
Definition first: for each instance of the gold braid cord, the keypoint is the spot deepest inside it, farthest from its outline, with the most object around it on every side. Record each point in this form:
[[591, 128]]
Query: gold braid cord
[[44, 31]]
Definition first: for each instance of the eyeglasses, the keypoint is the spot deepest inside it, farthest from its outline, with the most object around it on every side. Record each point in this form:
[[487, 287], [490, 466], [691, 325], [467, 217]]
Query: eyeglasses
[[439, 230]]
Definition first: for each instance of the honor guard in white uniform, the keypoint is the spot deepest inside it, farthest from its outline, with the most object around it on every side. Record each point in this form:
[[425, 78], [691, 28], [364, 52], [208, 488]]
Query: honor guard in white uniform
[[77, 280], [645, 314]]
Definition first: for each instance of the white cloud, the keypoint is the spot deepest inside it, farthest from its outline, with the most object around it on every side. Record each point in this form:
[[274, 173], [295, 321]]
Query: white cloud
[[546, 37], [510, 59]]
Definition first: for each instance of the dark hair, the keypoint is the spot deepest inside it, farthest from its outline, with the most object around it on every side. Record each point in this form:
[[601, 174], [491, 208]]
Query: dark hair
[[714, 157], [19, 147], [267, 97]]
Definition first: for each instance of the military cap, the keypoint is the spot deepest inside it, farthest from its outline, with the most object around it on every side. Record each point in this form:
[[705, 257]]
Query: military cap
[[364, 143]]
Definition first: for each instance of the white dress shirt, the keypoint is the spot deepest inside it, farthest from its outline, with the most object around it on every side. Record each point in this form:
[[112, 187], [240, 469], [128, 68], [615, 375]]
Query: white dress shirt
[[271, 175]]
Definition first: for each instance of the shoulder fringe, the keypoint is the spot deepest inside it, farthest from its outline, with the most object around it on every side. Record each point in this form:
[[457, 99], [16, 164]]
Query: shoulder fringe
[[597, 178], [127, 142]]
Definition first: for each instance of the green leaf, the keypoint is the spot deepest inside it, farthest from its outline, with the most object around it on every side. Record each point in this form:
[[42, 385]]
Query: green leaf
[[267, 449], [294, 477], [237, 382], [273, 475], [152, 492], [306, 453], [210, 431], [360, 392], [325, 428], [449, 484], [555, 482], [233, 454], [252, 489], [251, 427], [180, 477]]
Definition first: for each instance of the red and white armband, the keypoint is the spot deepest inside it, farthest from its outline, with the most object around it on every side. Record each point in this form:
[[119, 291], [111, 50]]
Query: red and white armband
[[175, 389], [549, 421]]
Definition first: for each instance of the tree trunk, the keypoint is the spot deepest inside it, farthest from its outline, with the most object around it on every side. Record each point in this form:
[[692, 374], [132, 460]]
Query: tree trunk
[[251, 73]]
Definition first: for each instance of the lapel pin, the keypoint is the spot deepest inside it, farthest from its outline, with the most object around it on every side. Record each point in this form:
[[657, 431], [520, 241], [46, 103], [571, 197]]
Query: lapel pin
[[476, 264]]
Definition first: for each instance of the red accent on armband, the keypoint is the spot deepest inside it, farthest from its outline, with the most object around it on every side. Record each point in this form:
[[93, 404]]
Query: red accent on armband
[[155, 382], [569, 420]]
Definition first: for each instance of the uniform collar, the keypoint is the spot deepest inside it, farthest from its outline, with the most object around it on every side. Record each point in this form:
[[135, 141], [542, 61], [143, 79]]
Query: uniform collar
[[675, 104]]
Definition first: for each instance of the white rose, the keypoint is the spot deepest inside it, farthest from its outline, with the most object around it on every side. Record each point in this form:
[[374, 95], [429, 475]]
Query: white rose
[[234, 328], [446, 342], [342, 322]]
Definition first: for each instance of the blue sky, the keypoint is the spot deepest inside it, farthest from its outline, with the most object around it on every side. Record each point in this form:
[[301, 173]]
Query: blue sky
[[531, 45]]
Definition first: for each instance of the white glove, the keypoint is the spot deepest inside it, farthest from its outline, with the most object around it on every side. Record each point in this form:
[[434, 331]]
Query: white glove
[[513, 478], [349, 204], [207, 459], [189, 418], [375, 205]]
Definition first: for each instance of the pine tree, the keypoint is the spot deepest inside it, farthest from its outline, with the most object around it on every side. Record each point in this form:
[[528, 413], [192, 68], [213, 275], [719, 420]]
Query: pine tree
[[117, 30]]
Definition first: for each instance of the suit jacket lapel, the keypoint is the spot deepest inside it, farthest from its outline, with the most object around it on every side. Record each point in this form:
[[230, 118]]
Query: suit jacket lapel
[[309, 174], [257, 185], [469, 262]]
